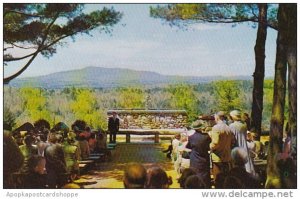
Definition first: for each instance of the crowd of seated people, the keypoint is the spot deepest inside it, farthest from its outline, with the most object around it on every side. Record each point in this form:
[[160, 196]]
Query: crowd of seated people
[[49, 158]]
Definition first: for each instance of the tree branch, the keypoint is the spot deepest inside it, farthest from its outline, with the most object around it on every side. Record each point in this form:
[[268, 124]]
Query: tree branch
[[40, 48], [4, 49], [272, 26], [225, 20], [22, 46], [218, 19], [8, 79], [230, 20], [252, 11], [21, 13], [18, 58]]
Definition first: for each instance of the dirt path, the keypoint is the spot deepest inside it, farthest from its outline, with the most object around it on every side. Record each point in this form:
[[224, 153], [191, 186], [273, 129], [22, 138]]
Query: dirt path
[[110, 174]]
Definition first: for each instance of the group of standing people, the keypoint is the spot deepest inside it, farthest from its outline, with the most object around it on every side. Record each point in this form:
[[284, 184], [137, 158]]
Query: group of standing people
[[211, 149]]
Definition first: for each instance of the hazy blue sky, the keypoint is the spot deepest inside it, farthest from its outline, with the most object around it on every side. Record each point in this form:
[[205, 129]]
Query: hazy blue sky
[[144, 43]]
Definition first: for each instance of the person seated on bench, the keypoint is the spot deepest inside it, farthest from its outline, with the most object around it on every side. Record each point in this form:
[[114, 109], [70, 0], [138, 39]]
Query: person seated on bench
[[55, 162], [92, 142], [87, 132], [84, 147], [157, 178], [101, 144], [13, 159], [135, 176], [36, 178], [194, 182], [185, 174], [72, 156], [27, 150], [238, 177]]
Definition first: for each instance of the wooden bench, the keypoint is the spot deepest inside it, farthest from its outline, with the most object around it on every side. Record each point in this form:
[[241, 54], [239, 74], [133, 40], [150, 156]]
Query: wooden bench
[[19, 178], [95, 158], [101, 156], [82, 167], [89, 162], [111, 146], [86, 162], [96, 154], [85, 165]]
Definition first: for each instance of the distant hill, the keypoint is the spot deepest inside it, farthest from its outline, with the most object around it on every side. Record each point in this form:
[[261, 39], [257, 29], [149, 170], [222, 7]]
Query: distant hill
[[99, 77]]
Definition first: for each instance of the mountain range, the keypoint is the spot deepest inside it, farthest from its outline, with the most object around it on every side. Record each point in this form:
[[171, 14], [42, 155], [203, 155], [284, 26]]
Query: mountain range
[[100, 77]]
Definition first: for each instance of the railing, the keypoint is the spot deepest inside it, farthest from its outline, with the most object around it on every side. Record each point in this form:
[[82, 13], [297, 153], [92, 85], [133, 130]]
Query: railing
[[155, 132]]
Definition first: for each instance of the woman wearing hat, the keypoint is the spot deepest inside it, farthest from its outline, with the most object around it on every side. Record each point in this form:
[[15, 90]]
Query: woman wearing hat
[[199, 156], [239, 130]]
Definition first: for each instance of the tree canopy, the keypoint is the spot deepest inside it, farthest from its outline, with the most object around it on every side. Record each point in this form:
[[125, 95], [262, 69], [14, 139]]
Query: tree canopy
[[40, 28], [228, 95], [176, 14], [262, 15]]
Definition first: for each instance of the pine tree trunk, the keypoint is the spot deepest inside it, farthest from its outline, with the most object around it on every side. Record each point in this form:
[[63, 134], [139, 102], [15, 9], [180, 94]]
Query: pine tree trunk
[[259, 74], [292, 75], [277, 119]]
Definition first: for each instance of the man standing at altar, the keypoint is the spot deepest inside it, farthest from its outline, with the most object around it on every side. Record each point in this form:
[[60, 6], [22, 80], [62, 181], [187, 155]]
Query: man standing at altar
[[113, 127]]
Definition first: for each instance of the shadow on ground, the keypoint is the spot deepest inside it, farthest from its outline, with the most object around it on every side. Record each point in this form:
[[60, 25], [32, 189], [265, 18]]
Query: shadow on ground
[[110, 174]]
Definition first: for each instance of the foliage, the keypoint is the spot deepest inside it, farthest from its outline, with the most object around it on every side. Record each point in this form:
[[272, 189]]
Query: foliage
[[9, 119], [12, 101], [268, 103], [40, 28], [183, 97], [91, 105], [85, 107], [58, 105], [228, 95], [132, 97], [34, 103], [183, 14], [84, 103], [160, 99], [207, 103]]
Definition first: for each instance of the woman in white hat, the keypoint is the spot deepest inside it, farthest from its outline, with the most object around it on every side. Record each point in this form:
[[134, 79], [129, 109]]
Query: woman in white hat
[[239, 130]]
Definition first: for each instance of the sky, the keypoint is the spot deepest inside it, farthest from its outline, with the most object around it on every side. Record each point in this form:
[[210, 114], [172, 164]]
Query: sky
[[140, 42]]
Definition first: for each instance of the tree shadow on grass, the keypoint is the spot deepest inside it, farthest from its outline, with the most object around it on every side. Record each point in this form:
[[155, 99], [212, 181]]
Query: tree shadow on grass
[[147, 154]]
